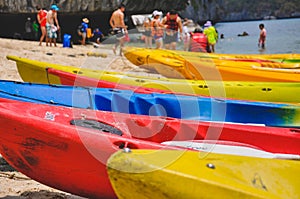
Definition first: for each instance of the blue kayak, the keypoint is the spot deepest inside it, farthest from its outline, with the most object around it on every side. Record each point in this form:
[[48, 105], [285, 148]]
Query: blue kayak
[[155, 104]]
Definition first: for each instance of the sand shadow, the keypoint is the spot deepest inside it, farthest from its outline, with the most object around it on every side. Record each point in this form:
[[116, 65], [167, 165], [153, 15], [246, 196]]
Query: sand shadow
[[4, 166], [38, 195]]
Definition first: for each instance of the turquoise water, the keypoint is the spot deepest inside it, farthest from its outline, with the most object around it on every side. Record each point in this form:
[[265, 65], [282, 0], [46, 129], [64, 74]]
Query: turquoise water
[[283, 36]]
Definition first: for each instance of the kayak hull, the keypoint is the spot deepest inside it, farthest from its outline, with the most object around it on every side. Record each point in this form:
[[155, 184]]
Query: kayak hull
[[36, 72], [174, 64], [68, 148], [166, 174], [156, 104], [42, 142]]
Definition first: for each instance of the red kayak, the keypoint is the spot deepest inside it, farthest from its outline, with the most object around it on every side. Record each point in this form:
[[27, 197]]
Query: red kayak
[[67, 148], [79, 80]]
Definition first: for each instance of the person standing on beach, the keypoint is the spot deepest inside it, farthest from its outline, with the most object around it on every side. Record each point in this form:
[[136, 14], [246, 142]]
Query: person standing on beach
[[118, 25], [212, 36], [262, 36], [42, 20], [50, 25], [157, 29], [148, 33], [172, 24], [83, 30]]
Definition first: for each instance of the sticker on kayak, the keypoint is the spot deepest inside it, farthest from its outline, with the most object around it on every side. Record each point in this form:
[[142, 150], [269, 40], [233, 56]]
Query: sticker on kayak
[[49, 116]]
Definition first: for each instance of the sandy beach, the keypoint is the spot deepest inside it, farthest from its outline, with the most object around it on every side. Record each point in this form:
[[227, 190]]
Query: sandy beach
[[12, 183]]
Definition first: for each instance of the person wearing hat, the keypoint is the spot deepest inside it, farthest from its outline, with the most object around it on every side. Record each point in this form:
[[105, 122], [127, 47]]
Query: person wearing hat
[[83, 30], [52, 24], [211, 34], [157, 29], [172, 24], [198, 41]]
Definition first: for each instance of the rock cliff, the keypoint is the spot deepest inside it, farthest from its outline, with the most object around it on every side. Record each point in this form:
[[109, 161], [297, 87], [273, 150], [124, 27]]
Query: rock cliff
[[204, 9], [68, 6], [198, 10], [99, 11], [27, 6]]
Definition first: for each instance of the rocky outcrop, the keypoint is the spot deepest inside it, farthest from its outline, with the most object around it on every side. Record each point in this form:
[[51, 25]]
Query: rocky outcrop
[[236, 10], [148, 6], [88, 5], [194, 9], [198, 10], [28, 6], [204, 10]]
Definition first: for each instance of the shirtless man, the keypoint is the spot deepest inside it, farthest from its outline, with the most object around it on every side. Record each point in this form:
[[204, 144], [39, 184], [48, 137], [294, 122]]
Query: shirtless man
[[50, 25], [262, 36], [120, 29]]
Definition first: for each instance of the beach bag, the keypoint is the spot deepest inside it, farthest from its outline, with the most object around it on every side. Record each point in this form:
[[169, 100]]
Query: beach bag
[[67, 41], [89, 33]]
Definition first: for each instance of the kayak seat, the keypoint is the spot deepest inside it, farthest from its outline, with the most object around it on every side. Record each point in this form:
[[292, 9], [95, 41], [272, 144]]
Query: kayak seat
[[93, 124]]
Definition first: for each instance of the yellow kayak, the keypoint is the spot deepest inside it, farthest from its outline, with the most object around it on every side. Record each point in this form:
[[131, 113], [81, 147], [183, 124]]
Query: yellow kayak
[[276, 58], [279, 58], [35, 71], [179, 64], [189, 174]]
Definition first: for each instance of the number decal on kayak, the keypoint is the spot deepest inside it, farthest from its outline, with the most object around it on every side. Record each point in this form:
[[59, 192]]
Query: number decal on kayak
[[49, 116]]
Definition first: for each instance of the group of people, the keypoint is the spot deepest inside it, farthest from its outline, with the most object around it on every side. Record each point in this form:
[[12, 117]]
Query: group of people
[[168, 30], [49, 27], [165, 31], [48, 24], [85, 32]]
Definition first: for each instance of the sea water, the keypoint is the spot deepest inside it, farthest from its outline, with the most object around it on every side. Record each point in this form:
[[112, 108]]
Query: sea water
[[283, 36]]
